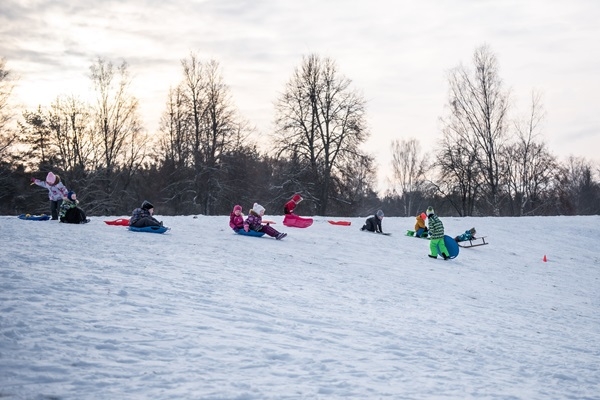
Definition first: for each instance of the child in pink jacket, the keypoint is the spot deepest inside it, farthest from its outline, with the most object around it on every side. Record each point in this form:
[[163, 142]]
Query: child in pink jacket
[[56, 191], [236, 218]]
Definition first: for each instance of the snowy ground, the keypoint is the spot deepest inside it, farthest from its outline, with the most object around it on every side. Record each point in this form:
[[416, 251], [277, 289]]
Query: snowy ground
[[97, 312]]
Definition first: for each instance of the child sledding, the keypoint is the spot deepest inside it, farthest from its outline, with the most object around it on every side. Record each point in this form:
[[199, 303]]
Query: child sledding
[[291, 219], [469, 236], [253, 223]]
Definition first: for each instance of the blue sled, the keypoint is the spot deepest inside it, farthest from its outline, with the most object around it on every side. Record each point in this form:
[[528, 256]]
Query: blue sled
[[29, 217], [451, 245], [152, 229], [250, 233]]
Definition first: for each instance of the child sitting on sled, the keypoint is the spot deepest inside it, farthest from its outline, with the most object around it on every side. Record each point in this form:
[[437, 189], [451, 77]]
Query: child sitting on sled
[[420, 227], [143, 216], [468, 235], [236, 218], [70, 212], [254, 222], [373, 224], [56, 191]]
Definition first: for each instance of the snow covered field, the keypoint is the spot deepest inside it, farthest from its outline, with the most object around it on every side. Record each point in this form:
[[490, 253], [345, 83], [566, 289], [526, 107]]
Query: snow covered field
[[98, 312]]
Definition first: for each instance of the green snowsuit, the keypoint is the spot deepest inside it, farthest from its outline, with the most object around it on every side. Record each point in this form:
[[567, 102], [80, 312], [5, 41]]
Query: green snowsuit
[[436, 230]]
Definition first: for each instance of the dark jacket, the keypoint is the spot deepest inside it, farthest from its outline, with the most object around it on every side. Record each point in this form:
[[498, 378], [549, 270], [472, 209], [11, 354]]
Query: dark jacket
[[70, 213], [373, 224], [141, 218]]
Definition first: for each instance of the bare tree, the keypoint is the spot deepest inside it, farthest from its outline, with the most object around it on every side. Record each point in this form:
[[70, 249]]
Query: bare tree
[[70, 123], [321, 120], [530, 166], [408, 169], [119, 141], [117, 125], [7, 134], [477, 121]]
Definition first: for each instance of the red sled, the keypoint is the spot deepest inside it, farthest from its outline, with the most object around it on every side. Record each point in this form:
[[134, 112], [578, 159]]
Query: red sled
[[120, 222], [342, 223], [294, 221]]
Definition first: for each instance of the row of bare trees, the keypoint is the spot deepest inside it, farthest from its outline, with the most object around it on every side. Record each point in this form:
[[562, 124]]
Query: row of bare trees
[[203, 158], [487, 163]]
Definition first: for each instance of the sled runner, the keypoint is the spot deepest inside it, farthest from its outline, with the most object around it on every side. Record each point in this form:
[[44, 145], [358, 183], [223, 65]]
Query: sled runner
[[250, 233], [343, 223], [120, 222], [480, 241], [152, 229], [38, 217], [295, 221]]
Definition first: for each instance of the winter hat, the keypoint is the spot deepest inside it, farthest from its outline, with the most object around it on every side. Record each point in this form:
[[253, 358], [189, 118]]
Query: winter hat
[[423, 216], [380, 213], [297, 198], [237, 207], [258, 208], [71, 195], [473, 231], [146, 205], [430, 211], [50, 178]]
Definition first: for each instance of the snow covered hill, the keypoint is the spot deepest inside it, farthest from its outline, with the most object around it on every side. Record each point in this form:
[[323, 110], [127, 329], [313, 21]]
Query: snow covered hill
[[98, 312]]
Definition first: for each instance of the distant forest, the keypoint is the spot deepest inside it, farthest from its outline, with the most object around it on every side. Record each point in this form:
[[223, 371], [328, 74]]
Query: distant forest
[[203, 158]]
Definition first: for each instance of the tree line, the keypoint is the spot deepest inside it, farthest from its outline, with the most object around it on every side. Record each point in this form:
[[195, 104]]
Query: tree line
[[204, 158]]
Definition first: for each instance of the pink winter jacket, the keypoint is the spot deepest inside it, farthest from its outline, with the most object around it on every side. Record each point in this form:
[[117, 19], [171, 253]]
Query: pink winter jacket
[[55, 192]]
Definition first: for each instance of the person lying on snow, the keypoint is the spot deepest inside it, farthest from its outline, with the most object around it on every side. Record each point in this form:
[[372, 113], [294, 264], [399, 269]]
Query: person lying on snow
[[468, 235], [236, 218], [254, 222], [70, 212], [373, 224], [288, 208], [143, 216], [420, 227]]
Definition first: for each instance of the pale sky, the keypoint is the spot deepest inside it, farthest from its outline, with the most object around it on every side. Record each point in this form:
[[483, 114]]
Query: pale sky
[[397, 53]]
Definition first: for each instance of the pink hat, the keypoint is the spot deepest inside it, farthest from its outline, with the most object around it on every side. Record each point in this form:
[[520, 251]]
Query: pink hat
[[237, 207], [50, 178]]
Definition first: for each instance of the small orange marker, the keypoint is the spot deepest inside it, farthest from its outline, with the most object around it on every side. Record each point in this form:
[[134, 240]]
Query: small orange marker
[[544, 259]]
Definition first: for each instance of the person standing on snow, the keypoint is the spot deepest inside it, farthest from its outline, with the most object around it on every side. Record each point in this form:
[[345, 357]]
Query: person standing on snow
[[56, 191], [436, 232]]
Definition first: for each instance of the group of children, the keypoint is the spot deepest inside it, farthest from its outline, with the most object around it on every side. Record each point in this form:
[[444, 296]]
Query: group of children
[[64, 205], [252, 222]]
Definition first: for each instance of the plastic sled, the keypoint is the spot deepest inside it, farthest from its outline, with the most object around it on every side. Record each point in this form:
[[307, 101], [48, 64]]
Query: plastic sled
[[294, 221], [411, 233], [250, 233], [452, 246], [152, 229], [120, 222], [342, 223], [39, 217]]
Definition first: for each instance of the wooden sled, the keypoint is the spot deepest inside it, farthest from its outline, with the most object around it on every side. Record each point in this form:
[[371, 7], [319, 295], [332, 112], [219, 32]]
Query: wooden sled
[[480, 241]]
